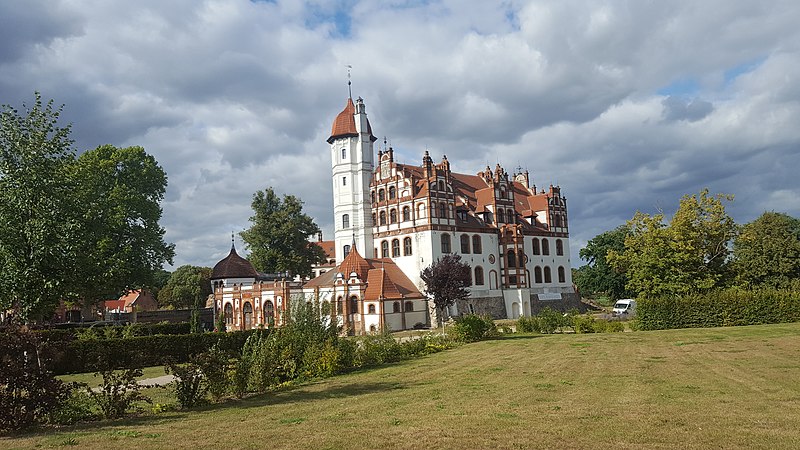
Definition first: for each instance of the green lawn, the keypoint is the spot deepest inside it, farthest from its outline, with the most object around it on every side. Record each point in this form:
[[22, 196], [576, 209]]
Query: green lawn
[[700, 388], [92, 380]]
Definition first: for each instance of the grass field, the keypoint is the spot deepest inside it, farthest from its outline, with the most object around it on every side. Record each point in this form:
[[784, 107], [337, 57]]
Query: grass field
[[699, 388]]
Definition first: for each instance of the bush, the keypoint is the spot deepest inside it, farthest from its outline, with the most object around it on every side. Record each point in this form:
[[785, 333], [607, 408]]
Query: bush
[[215, 366], [728, 307], [188, 384], [118, 393], [550, 321], [585, 324], [76, 407], [28, 390], [471, 328], [528, 325]]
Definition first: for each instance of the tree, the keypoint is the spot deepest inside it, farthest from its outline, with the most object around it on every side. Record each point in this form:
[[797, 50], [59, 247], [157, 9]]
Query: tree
[[188, 287], [767, 252], [122, 246], [597, 276], [690, 254], [278, 237], [447, 280], [38, 226]]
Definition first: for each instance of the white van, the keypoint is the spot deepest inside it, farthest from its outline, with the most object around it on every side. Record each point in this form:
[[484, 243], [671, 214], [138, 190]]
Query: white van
[[624, 307]]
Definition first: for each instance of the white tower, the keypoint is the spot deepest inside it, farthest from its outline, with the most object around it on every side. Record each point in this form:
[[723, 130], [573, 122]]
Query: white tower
[[352, 161]]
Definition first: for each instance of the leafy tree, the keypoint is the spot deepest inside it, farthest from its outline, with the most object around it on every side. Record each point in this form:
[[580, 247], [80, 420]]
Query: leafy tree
[[597, 276], [690, 254], [767, 252], [122, 246], [278, 237], [188, 287], [38, 228], [447, 280]]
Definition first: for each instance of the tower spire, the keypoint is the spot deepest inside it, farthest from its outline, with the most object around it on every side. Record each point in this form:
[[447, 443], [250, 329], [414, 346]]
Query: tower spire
[[233, 243], [349, 89]]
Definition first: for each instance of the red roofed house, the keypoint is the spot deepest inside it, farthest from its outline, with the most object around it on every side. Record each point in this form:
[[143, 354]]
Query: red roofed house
[[135, 300]]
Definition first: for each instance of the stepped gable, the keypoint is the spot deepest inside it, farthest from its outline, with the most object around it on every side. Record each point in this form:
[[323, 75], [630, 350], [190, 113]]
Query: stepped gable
[[233, 266]]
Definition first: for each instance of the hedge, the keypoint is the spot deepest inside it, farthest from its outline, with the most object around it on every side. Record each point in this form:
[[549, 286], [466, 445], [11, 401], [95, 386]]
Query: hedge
[[730, 307], [79, 356]]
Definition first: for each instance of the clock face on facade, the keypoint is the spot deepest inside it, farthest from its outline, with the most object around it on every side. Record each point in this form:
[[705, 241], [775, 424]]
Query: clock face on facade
[[491, 259]]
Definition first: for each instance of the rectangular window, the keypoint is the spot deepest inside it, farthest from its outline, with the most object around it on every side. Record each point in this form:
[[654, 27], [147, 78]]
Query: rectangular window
[[344, 181]]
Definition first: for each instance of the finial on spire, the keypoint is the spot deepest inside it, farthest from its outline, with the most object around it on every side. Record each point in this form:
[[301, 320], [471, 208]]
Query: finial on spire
[[233, 243], [349, 89]]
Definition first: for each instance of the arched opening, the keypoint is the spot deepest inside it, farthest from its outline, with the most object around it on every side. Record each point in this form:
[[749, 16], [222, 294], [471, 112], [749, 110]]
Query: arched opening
[[354, 304], [476, 244], [442, 211], [545, 246], [345, 220], [409, 306], [392, 192], [228, 314], [396, 307], [393, 216], [385, 249], [501, 217], [382, 218], [407, 246], [395, 248], [515, 310], [536, 250], [381, 195], [479, 276], [548, 277], [559, 247], [371, 309], [492, 279], [247, 312], [464, 244], [421, 211], [511, 259], [445, 243], [562, 276], [537, 274], [406, 213]]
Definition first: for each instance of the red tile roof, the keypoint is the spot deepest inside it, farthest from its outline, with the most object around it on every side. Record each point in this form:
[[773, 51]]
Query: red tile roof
[[328, 247], [233, 266], [345, 123]]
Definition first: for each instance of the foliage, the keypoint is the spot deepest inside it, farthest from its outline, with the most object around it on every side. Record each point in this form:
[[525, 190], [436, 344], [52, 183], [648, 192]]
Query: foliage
[[28, 390], [550, 321], [471, 328], [528, 325], [188, 384], [719, 308], [38, 226], [278, 237], [118, 392], [766, 252], [78, 406], [187, 287], [597, 276], [690, 254], [214, 365], [119, 191], [447, 280], [76, 356]]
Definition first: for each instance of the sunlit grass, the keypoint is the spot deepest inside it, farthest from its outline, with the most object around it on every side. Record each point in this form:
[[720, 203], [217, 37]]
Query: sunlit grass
[[697, 388]]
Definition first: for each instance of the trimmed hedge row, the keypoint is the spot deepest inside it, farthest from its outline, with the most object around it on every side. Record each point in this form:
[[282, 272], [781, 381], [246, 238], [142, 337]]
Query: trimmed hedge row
[[105, 330], [78, 356], [720, 308]]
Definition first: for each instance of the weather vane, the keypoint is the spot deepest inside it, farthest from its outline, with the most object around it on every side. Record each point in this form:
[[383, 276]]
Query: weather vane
[[349, 90]]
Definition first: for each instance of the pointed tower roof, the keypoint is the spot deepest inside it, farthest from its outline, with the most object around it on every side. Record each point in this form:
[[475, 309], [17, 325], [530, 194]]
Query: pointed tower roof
[[345, 124], [354, 262], [233, 266]]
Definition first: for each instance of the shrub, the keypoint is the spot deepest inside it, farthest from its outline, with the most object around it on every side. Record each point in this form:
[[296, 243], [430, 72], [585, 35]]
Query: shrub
[[28, 390], [76, 407], [471, 328], [214, 365], [719, 308], [118, 393], [188, 384], [550, 320], [584, 324], [528, 325]]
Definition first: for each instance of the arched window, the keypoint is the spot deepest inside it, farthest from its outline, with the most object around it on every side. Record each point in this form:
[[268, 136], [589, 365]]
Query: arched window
[[559, 247], [545, 246], [346, 250], [353, 305], [409, 306], [562, 276], [247, 312], [339, 305], [382, 217], [407, 246], [406, 213], [374, 222], [371, 309], [537, 274], [396, 307], [536, 246], [372, 196], [269, 312], [345, 220], [479, 276], [441, 185], [392, 192], [510, 216], [344, 153], [442, 210], [445, 243], [395, 248], [228, 314], [548, 277], [511, 259], [502, 192], [421, 211], [392, 215], [464, 244], [385, 249], [381, 195], [501, 217], [476, 244]]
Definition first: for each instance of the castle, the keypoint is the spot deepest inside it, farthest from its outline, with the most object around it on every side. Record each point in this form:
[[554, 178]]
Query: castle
[[393, 220]]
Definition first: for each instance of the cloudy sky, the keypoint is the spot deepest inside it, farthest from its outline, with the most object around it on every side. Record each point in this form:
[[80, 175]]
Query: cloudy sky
[[625, 104]]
